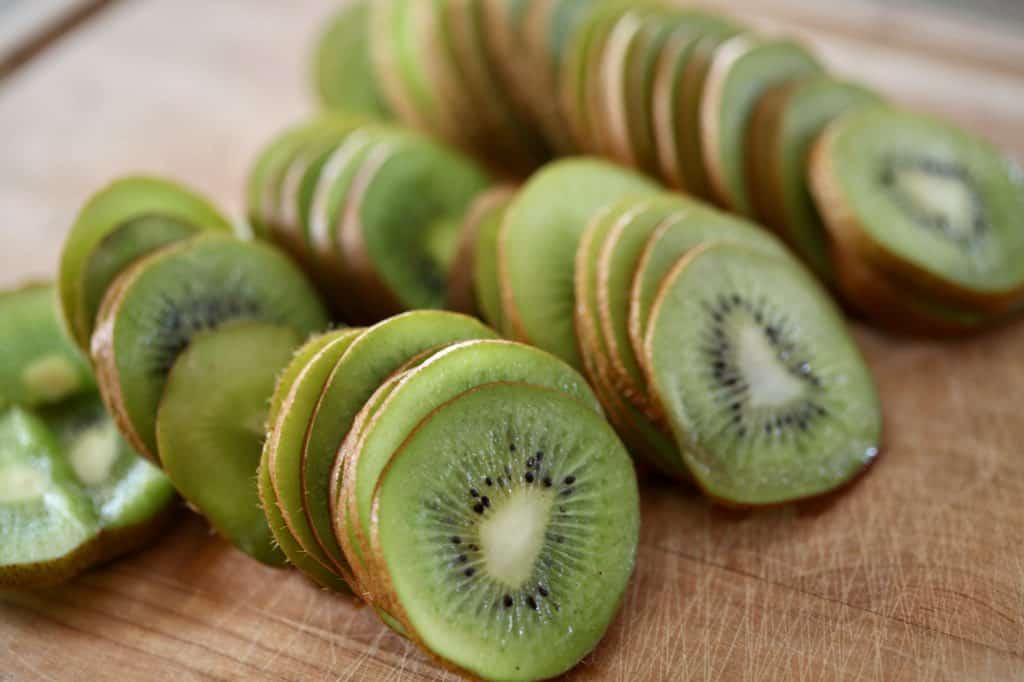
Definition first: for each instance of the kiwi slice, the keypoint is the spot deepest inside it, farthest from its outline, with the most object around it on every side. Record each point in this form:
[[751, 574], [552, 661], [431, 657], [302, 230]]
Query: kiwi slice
[[400, 251], [927, 203], [211, 425], [787, 121], [488, 586], [47, 521], [155, 308], [283, 537], [772, 402], [343, 72], [742, 69], [537, 247], [473, 279], [129, 219], [284, 450], [38, 364], [133, 500], [671, 241]]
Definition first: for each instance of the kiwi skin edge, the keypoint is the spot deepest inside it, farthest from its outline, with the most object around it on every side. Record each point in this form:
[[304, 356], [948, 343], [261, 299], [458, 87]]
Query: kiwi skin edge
[[845, 227], [461, 289]]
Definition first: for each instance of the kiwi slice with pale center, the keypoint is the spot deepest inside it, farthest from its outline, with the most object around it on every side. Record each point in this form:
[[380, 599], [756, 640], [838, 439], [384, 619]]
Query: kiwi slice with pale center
[[772, 401], [742, 69], [488, 587], [537, 247], [343, 73], [38, 365], [210, 427], [132, 217], [47, 521], [927, 203], [155, 308], [788, 120]]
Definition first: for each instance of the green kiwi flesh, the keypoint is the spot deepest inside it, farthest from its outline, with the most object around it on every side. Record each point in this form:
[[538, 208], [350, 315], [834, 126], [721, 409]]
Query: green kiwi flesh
[[160, 303], [127, 220], [537, 246], [485, 260], [934, 205], [488, 582], [38, 365], [210, 427], [47, 521], [343, 72], [770, 400]]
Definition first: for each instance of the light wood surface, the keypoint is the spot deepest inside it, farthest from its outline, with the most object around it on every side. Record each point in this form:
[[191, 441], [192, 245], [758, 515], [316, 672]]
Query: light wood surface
[[915, 573]]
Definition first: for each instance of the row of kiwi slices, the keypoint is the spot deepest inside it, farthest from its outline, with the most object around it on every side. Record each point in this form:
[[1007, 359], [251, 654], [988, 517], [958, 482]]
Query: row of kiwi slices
[[467, 487], [73, 494], [915, 222], [717, 355], [370, 210]]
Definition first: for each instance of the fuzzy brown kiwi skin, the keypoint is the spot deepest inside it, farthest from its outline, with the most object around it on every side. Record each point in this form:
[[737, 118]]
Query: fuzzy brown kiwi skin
[[461, 290], [45, 574], [843, 225]]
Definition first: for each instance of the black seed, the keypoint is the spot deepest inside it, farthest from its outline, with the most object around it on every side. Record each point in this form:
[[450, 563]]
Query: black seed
[[473, 492], [456, 540], [531, 462], [566, 492], [569, 480], [462, 558], [507, 601], [478, 508], [512, 447], [767, 428], [736, 300], [501, 481], [531, 602], [488, 481], [529, 477], [735, 407], [547, 481], [469, 572], [542, 590], [486, 501], [539, 456], [559, 539], [473, 548]]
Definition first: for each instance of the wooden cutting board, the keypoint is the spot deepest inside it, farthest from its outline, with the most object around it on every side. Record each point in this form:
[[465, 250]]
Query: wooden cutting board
[[915, 573]]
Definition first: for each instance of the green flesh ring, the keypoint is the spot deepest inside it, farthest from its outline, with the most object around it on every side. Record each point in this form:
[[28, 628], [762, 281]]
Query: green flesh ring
[[210, 427], [175, 293], [153, 212], [38, 364], [767, 395], [531, 573], [46, 520], [344, 75], [537, 246]]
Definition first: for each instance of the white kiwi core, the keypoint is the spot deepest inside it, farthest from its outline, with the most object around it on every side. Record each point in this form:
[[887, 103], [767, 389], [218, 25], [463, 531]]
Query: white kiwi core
[[512, 536], [19, 483], [94, 453], [947, 196], [51, 377], [771, 383]]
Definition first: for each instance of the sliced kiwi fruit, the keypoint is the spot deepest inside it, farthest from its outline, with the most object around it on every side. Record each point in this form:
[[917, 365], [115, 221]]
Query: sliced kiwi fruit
[[156, 306], [742, 69], [673, 240], [47, 521], [284, 451], [132, 499], [488, 587], [537, 247], [774, 403], [343, 73], [399, 252], [288, 544], [927, 203], [787, 121], [210, 427], [126, 220], [38, 364], [473, 278]]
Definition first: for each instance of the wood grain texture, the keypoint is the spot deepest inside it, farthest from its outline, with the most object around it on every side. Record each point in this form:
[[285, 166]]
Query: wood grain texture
[[915, 573]]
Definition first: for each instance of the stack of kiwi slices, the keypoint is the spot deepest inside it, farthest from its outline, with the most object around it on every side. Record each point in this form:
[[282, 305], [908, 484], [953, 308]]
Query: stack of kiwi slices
[[467, 487], [73, 494], [371, 211], [723, 114], [717, 356]]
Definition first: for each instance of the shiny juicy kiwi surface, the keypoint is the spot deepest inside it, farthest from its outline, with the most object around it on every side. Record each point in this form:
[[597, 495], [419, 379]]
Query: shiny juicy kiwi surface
[[767, 395], [509, 520]]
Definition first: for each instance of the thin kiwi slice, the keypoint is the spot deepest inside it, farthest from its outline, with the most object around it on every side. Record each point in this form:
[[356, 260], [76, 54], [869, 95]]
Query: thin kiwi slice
[[788, 120], [38, 365], [671, 241], [155, 308], [211, 425], [488, 587], [537, 247], [343, 73], [742, 69], [133, 500], [287, 542], [126, 220], [927, 203], [767, 395], [400, 251], [47, 521], [485, 212]]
